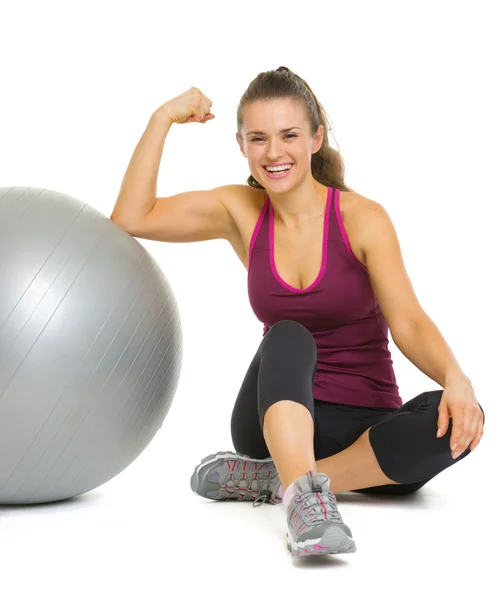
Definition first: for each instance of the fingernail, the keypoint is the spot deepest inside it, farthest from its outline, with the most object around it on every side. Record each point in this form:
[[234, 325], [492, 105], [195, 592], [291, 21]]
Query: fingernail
[[453, 447], [455, 455], [438, 432]]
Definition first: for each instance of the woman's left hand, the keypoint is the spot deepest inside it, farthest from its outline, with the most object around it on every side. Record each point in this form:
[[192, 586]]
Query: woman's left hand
[[458, 402]]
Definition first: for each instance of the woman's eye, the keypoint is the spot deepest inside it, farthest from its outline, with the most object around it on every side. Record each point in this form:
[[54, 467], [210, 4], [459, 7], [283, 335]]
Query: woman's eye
[[256, 139]]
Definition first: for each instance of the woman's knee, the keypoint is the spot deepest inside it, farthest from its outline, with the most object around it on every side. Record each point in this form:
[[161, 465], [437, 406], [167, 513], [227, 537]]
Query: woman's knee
[[435, 397], [288, 366], [287, 325], [288, 351], [291, 333]]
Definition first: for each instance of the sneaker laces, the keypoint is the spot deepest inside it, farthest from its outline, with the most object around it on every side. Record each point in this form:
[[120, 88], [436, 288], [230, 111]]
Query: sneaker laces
[[259, 496], [315, 501], [264, 491]]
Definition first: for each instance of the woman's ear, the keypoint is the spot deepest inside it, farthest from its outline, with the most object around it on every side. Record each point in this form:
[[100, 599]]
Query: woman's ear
[[319, 139], [240, 142]]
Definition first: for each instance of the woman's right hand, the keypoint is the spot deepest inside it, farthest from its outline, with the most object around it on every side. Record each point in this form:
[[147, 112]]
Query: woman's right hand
[[190, 107]]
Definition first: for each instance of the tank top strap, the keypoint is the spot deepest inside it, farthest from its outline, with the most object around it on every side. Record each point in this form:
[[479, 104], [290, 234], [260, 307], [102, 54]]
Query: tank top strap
[[335, 233], [260, 236]]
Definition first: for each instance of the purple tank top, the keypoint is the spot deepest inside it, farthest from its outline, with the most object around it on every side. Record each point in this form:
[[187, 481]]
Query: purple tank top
[[339, 308]]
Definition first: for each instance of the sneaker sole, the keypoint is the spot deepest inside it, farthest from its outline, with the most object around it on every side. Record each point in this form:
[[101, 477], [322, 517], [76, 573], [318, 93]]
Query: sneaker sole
[[333, 541], [198, 479]]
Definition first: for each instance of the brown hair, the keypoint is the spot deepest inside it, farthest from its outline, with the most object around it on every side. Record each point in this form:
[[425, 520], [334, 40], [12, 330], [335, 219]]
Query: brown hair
[[327, 165]]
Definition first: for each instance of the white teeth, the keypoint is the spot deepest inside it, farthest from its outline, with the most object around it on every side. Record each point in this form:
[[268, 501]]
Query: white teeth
[[277, 169]]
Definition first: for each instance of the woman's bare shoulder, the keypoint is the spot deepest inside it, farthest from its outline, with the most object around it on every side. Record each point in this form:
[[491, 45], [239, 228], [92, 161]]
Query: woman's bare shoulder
[[354, 204], [238, 195], [244, 203]]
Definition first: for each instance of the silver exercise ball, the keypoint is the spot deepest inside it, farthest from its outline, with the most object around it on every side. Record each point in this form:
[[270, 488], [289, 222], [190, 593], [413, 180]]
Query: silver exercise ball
[[90, 347]]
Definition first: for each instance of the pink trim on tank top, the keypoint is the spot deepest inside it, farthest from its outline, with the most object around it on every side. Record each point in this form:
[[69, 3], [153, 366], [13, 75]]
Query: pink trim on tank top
[[258, 224], [324, 249], [343, 229]]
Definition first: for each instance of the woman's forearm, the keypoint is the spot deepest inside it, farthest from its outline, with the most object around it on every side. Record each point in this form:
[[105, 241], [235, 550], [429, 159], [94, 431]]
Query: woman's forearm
[[426, 348]]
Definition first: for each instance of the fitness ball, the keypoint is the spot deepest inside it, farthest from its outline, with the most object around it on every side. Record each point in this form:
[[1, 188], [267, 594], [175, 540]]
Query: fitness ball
[[90, 347]]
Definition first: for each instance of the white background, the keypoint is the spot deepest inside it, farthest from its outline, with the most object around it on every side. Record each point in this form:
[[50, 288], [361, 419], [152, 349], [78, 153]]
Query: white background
[[413, 90]]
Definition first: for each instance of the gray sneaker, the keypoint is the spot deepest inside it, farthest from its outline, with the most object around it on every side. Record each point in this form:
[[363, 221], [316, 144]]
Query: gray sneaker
[[233, 476], [314, 523]]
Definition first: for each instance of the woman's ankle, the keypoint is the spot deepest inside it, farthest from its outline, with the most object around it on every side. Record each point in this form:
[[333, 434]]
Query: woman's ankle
[[287, 495]]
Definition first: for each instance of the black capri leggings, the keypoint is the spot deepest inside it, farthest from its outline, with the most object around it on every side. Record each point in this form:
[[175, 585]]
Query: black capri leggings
[[404, 440]]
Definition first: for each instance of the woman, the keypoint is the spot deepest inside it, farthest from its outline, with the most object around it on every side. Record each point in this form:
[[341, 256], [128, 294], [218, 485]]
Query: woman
[[319, 410]]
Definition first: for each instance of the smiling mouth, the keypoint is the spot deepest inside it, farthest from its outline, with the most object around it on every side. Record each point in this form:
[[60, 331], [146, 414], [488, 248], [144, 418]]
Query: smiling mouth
[[289, 165]]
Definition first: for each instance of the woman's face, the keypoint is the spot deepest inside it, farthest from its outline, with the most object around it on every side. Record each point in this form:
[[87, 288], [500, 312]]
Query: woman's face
[[276, 132]]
